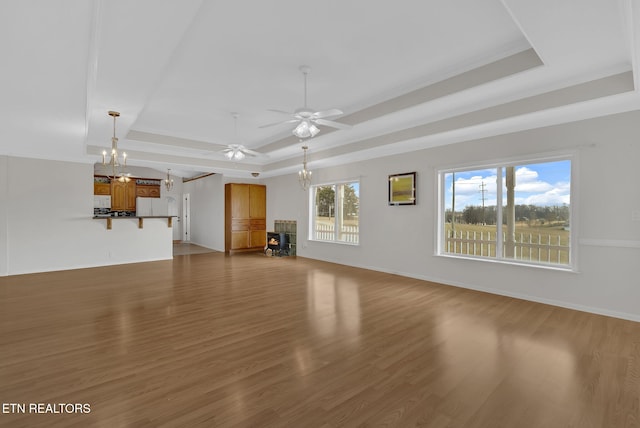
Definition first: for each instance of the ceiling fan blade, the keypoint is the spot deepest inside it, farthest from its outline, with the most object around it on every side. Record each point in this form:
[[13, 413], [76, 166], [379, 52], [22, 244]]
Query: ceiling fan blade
[[233, 148], [278, 123], [280, 111], [332, 124], [326, 113], [250, 152]]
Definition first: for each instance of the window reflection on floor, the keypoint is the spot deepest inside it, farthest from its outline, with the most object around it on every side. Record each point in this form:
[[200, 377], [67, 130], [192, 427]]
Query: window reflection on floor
[[333, 305], [487, 348]]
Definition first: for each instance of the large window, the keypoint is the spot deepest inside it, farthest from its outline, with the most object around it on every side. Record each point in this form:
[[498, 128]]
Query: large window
[[512, 212], [335, 212]]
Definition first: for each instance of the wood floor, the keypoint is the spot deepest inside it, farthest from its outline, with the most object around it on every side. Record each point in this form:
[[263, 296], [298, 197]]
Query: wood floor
[[186, 248], [254, 341]]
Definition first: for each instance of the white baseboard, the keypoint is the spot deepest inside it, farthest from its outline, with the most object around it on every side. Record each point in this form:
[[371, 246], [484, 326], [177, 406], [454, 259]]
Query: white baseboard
[[552, 302]]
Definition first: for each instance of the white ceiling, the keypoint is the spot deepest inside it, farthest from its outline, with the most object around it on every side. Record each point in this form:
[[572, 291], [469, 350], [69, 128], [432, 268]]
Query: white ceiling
[[408, 74]]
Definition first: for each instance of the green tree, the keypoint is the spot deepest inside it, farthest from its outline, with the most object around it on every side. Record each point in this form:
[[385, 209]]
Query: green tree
[[472, 214], [325, 201], [351, 202]]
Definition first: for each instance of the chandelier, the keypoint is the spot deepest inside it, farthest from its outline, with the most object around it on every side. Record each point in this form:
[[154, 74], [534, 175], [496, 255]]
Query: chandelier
[[168, 182], [304, 175], [117, 165]]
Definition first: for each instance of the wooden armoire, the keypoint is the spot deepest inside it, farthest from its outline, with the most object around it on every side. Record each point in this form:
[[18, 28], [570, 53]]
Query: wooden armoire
[[245, 217]]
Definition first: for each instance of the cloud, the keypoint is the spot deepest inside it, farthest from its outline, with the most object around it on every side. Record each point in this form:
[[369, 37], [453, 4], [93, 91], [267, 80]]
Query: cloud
[[531, 189], [527, 181], [558, 194], [471, 186]]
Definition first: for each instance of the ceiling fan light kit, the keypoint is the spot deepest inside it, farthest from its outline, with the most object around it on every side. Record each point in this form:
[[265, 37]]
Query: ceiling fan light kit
[[234, 152], [306, 129]]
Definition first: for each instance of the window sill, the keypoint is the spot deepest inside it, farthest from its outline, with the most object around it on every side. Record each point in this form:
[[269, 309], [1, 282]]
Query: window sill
[[350, 244], [558, 268]]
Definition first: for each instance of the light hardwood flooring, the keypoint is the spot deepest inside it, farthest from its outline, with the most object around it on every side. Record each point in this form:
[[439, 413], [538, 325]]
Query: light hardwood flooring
[[253, 341], [186, 248]]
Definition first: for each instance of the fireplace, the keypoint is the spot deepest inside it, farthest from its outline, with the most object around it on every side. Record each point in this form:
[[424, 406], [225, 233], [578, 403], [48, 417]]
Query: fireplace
[[278, 243]]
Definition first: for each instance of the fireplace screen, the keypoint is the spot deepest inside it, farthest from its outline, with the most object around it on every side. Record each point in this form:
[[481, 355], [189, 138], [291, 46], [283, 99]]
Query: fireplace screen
[[278, 243]]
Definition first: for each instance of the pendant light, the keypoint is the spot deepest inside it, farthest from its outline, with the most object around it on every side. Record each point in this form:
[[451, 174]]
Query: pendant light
[[304, 175], [168, 182], [117, 164]]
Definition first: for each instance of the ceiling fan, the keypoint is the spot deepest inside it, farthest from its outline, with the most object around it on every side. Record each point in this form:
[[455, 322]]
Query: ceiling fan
[[237, 152], [307, 119]]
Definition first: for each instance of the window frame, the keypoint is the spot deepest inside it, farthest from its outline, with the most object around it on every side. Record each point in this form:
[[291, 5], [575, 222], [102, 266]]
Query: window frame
[[312, 212], [500, 165]]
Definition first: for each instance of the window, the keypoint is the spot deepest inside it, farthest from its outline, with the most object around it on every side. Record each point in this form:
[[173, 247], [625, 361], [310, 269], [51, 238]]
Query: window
[[531, 201], [335, 212]]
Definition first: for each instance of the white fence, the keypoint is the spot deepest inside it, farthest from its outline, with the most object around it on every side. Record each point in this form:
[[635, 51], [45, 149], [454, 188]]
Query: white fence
[[531, 247], [326, 232]]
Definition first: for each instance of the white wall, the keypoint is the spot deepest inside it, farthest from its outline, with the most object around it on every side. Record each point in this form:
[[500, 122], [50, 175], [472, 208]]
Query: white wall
[[402, 239], [49, 205], [4, 203], [207, 211]]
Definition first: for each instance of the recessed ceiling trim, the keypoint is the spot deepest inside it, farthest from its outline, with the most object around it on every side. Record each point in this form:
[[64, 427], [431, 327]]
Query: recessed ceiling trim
[[143, 158], [597, 89], [518, 24], [633, 16], [177, 142], [505, 67], [502, 68]]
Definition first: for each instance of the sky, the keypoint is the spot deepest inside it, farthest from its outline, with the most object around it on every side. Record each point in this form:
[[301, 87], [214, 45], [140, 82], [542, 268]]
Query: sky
[[544, 184], [356, 188]]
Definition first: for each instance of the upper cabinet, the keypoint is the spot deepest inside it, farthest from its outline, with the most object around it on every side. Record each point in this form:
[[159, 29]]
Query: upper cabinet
[[148, 188], [147, 191], [257, 201], [123, 195], [239, 200], [101, 186]]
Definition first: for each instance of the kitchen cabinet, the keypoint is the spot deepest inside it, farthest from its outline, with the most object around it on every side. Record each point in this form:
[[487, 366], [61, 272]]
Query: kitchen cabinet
[[123, 195], [101, 188], [148, 191], [245, 217]]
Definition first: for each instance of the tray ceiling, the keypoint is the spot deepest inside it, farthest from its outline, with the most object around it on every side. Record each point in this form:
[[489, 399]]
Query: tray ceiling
[[408, 75]]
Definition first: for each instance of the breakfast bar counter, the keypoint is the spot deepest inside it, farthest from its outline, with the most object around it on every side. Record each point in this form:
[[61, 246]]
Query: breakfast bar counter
[[139, 218]]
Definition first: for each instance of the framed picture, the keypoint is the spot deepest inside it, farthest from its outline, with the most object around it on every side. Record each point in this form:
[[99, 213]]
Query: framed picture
[[402, 189]]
